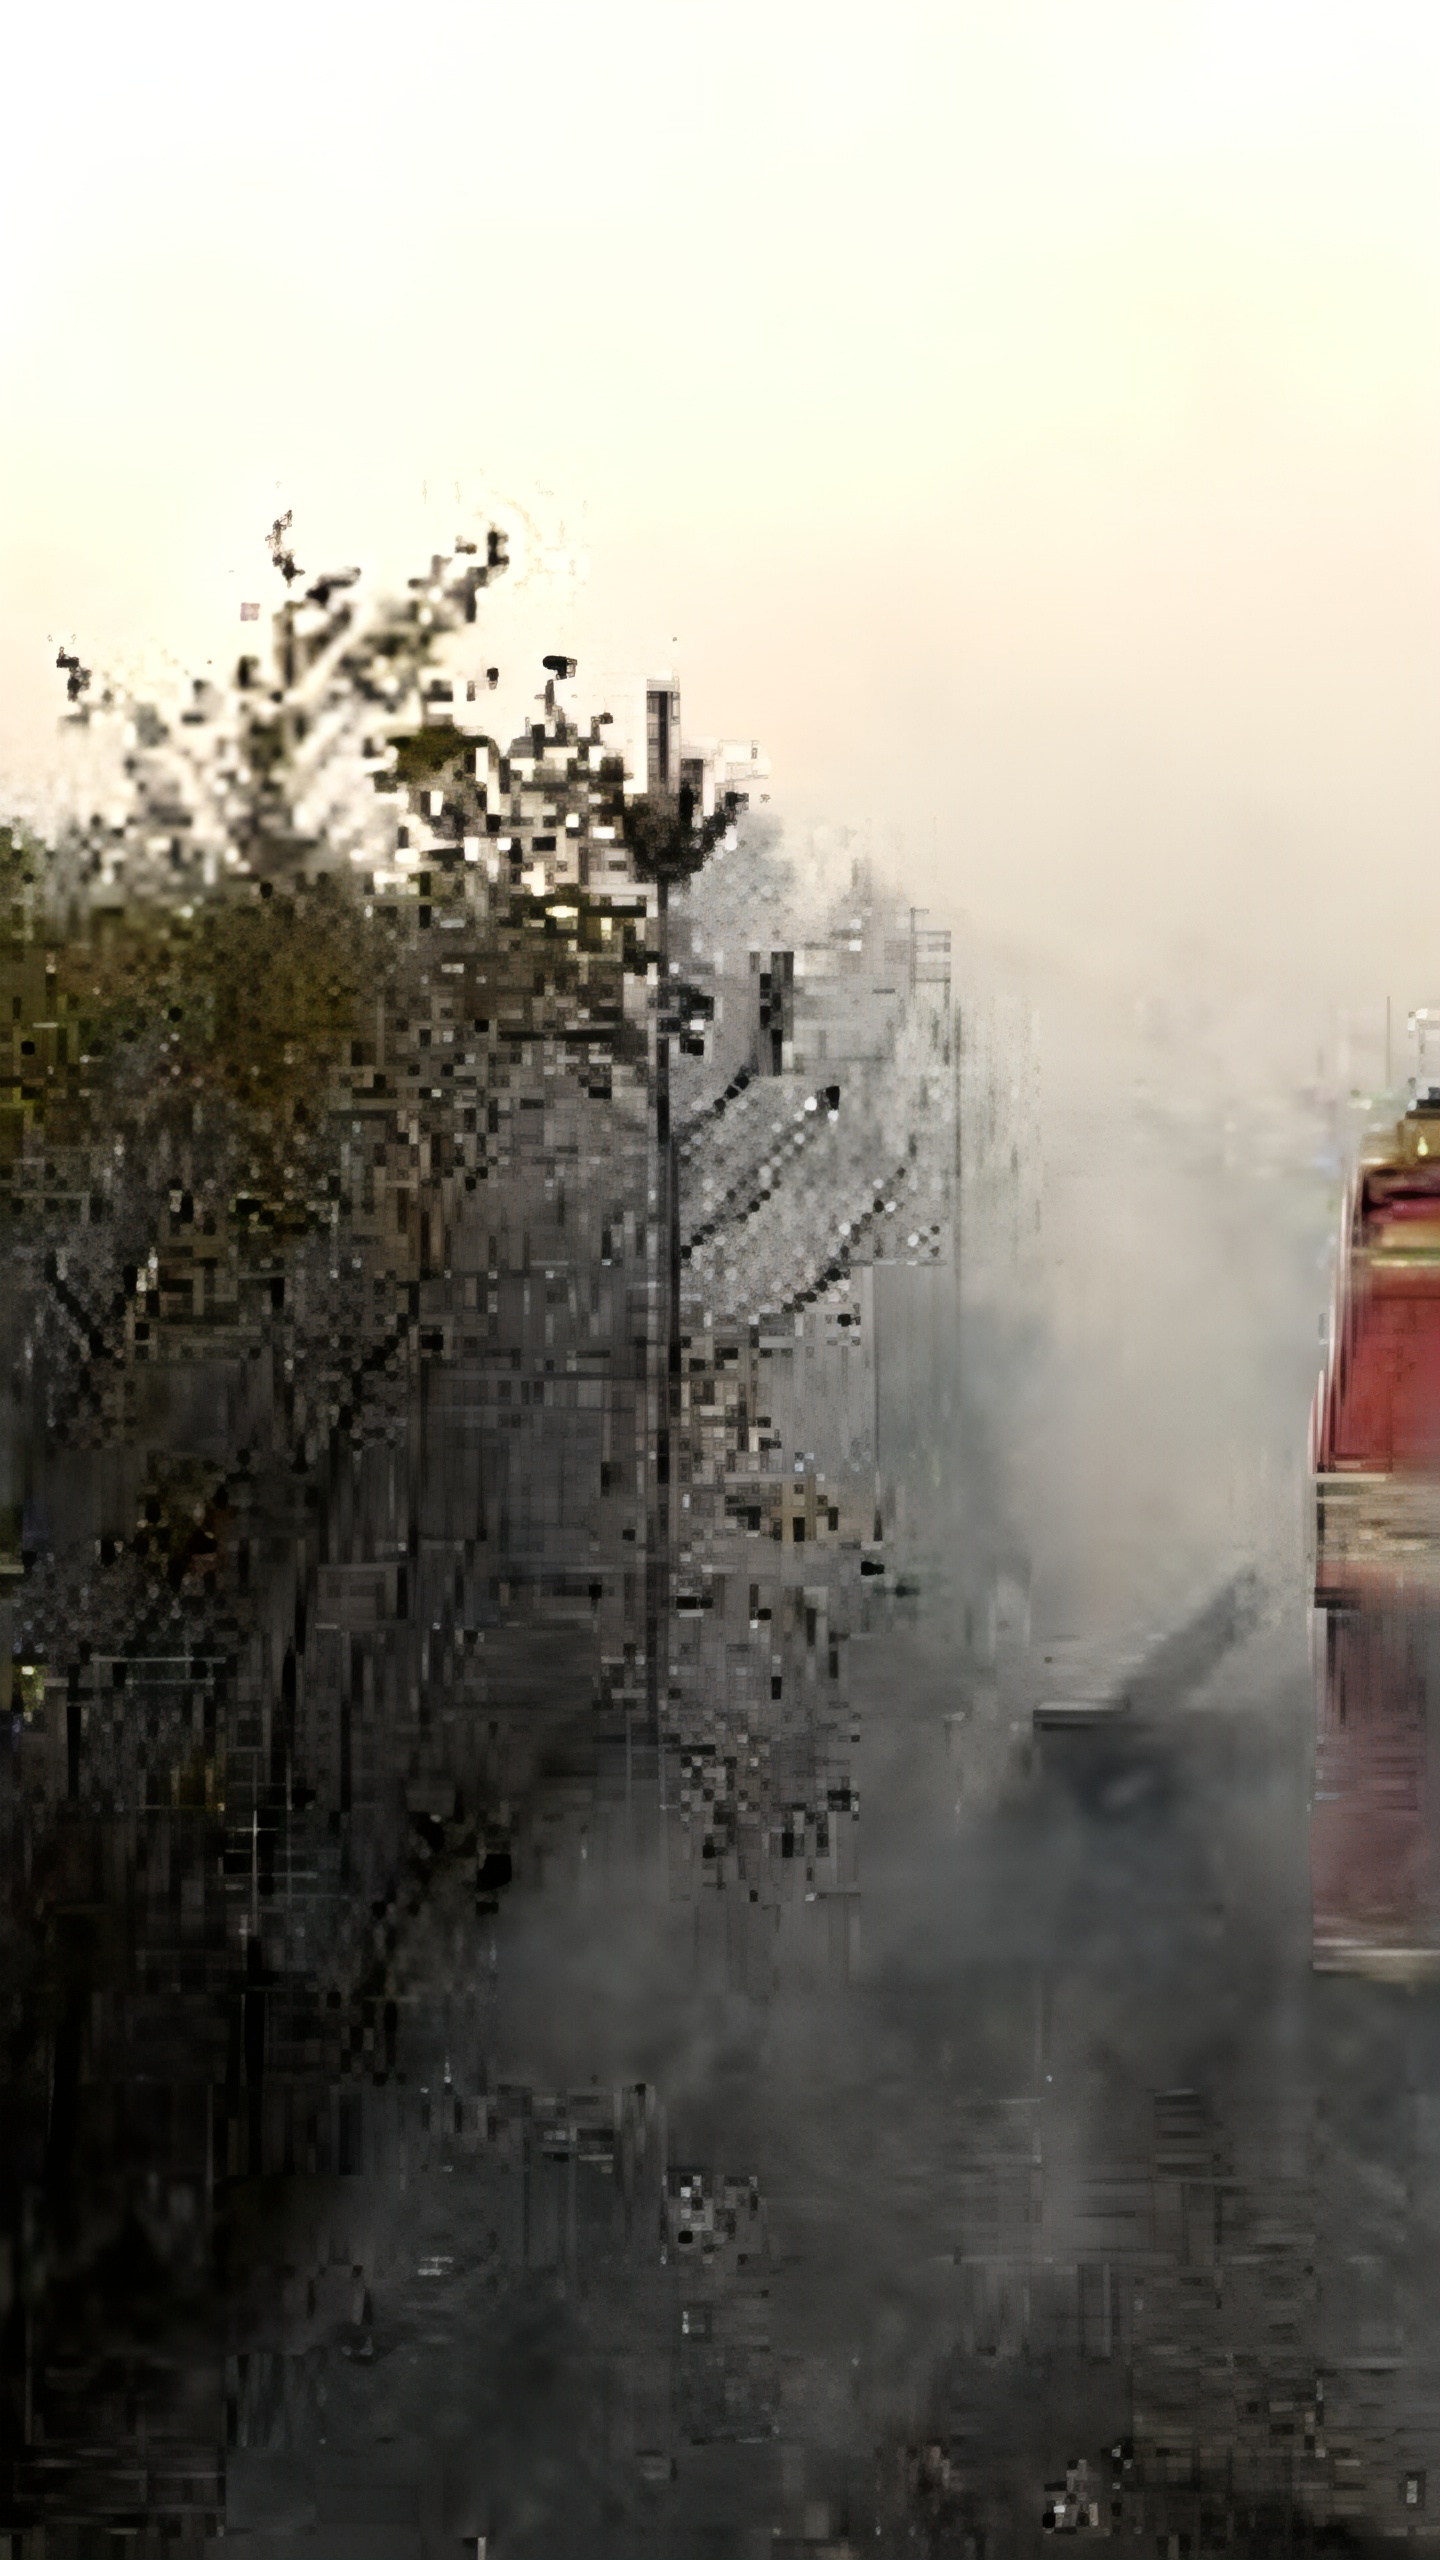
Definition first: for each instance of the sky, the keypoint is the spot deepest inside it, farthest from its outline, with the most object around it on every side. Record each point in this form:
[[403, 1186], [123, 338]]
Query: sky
[[1023, 418]]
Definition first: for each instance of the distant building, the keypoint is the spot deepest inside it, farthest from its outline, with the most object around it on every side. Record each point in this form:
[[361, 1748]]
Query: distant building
[[662, 738]]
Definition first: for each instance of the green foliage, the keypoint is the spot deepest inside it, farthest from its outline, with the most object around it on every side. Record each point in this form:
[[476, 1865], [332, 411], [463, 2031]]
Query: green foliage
[[426, 752], [251, 1003]]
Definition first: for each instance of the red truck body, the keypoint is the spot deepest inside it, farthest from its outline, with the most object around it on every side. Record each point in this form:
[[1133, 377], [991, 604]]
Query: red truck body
[[1375, 1454]]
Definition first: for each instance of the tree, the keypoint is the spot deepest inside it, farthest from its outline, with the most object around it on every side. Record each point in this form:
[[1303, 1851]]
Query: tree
[[347, 1357], [668, 838]]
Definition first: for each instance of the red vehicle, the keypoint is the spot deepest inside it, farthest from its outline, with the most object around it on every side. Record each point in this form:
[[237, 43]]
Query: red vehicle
[[1375, 1456]]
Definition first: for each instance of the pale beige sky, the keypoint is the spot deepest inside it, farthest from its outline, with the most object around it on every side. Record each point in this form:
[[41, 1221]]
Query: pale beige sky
[[1024, 417]]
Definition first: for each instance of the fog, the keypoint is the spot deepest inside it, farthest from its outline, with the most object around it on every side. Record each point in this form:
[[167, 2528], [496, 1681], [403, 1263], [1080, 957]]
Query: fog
[[1021, 423]]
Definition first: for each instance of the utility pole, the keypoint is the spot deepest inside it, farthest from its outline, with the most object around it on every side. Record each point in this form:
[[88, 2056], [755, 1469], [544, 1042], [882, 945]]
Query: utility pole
[[668, 840], [666, 1348]]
